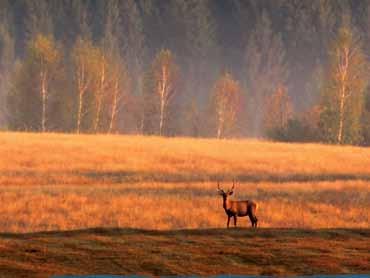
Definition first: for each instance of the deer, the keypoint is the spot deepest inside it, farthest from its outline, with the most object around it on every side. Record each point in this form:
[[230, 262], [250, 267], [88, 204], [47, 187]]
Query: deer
[[237, 209]]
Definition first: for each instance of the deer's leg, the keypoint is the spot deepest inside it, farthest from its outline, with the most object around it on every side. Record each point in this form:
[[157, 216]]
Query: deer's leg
[[228, 221], [251, 218], [234, 220], [255, 221]]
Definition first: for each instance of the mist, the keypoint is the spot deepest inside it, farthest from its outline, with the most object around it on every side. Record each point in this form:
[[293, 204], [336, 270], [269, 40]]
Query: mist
[[263, 45]]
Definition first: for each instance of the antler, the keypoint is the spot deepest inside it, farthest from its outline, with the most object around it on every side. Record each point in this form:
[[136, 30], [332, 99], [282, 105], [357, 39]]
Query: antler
[[232, 188], [218, 187]]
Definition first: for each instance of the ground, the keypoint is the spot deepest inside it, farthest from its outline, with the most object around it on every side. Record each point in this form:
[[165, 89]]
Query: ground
[[186, 252]]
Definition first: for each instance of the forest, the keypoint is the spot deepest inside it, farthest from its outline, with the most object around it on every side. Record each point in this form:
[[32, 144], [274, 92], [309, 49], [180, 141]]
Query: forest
[[287, 70]]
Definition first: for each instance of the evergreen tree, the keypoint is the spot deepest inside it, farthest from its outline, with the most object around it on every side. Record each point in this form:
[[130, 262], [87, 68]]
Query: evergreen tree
[[265, 67]]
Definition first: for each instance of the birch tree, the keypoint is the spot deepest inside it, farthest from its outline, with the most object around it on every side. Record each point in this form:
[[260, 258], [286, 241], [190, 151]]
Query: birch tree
[[278, 111], [165, 73], [101, 86], [119, 87], [343, 95], [84, 58], [46, 56], [226, 97]]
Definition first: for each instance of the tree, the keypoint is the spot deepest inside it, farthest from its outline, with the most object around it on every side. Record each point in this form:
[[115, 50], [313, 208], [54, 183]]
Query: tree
[[166, 77], [35, 86], [39, 18], [84, 56], [265, 66], [116, 81], [226, 97], [100, 88], [46, 56], [278, 112], [366, 121], [343, 93], [7, 63], [278, 109]]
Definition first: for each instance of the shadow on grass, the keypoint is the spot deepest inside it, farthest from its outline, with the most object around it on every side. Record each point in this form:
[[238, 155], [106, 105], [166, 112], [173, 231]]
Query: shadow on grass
[[235, 232], [143, 176], [122, 176]]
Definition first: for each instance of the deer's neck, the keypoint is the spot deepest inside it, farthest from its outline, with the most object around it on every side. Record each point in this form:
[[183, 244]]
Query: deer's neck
[[227, 204]]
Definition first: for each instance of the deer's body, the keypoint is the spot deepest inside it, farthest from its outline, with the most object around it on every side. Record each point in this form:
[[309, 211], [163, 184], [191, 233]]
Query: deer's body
[[237, 209]]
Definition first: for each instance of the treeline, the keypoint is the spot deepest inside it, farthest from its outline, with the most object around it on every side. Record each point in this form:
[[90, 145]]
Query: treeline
[[286, 70]]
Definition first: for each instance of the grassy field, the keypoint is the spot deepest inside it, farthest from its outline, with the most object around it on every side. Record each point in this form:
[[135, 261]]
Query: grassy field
[[62, 182], [166, 188]]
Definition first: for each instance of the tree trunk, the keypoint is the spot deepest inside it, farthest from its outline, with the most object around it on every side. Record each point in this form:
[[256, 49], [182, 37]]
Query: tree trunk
[[82, 87], [220, 127], [161, 118], [219, 131], [79, 114], [100, 96], [44, 99], [114, 107], [163, 100], [343, 69], [341, 117], [97, 116]]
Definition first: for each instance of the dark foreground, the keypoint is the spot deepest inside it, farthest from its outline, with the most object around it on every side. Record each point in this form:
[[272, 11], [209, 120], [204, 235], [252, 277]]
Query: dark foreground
[[200, 252]]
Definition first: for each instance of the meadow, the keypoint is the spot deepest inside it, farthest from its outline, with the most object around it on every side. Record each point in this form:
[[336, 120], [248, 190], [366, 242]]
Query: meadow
[[97, 204], [64, 182]]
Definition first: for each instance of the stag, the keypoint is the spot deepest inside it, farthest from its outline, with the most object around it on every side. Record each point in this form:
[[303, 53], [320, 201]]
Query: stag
[[237, 208]]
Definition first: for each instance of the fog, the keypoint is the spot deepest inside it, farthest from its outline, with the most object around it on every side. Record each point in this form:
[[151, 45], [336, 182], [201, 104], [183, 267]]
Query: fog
[[262, 43]]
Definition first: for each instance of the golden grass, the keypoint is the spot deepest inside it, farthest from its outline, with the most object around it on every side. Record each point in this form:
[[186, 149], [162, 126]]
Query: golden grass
[[169, 183], [182, 206], [70, 159]]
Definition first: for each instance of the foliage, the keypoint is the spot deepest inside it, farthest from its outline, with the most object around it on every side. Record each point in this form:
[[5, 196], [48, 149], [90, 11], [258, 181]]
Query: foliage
[[226, 97], [343, 94], [264, 44], [40, 71], [166, 84]]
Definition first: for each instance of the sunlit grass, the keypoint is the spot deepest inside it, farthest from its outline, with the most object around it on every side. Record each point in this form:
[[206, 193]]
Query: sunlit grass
[[85, 159], [182, 206], [61, 182]]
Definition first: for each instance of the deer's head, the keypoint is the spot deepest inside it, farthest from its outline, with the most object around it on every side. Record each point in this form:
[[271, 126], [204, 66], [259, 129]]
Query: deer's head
[[223, 193]]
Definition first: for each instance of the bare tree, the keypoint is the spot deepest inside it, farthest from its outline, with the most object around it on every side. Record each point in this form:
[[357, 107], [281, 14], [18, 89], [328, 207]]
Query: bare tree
[[101, 87], [226, 97], [84, 60], [278, 110], [45, 54], [166, 77], [346, 82], [119, 86]]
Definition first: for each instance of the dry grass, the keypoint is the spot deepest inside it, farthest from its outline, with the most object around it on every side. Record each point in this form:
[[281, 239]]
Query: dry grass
[[158, 183], [39, 159], [66, 182], [182, 206]]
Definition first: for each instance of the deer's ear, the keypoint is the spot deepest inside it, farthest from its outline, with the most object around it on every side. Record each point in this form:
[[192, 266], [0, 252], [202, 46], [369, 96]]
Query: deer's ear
[[231, 192]]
